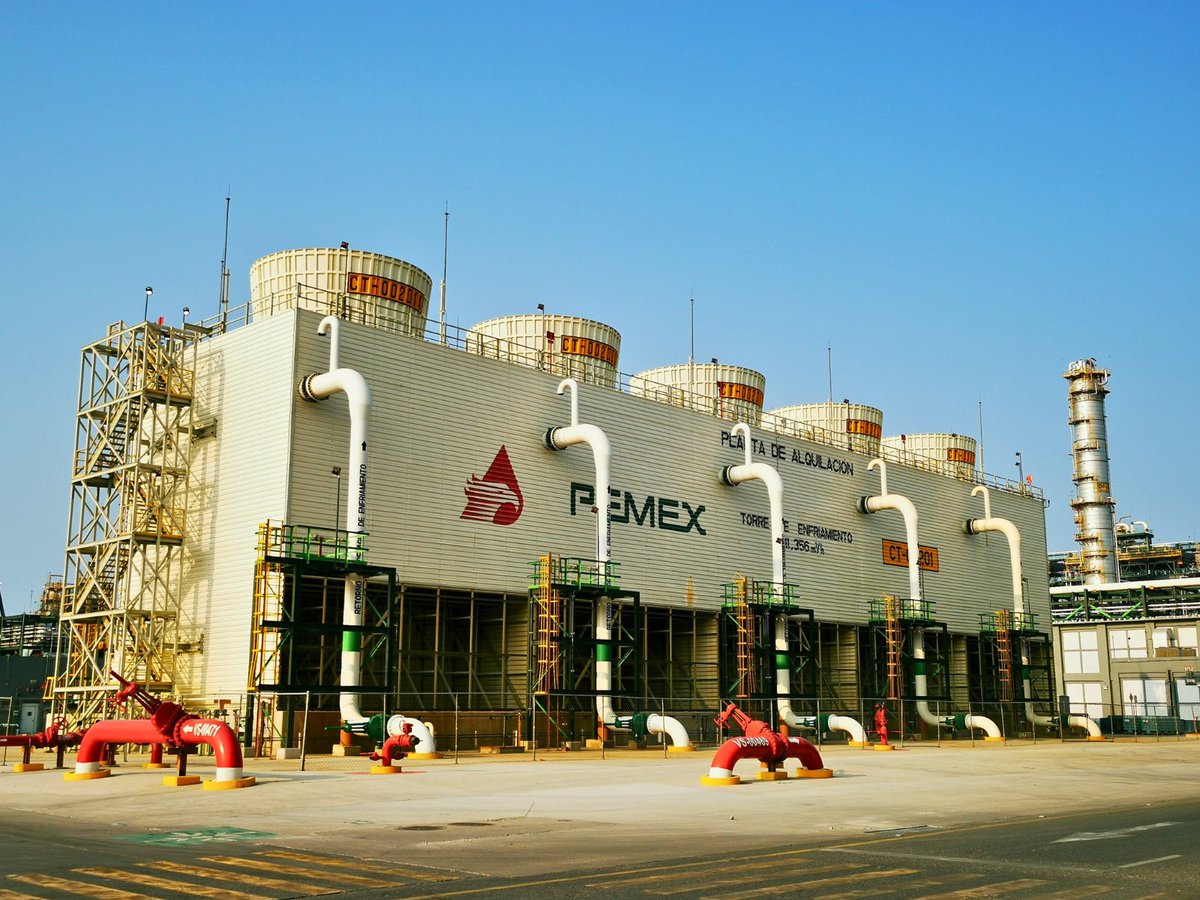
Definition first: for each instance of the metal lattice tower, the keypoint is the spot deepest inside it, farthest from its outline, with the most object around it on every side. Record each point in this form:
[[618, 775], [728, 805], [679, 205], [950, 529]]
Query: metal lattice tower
[[124, 557], [1093, 504]]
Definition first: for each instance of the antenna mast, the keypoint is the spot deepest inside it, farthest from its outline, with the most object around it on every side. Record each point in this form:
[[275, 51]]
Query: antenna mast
[[445, 260], [981, 469], [223, 294], [829, 358], [692, 351]]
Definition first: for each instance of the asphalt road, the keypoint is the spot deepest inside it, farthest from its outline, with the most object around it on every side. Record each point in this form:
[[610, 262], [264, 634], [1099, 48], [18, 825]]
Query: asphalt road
[[1142, 851]]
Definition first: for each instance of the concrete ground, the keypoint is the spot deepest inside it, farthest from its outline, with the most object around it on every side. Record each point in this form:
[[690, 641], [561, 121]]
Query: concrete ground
[[513, 815]]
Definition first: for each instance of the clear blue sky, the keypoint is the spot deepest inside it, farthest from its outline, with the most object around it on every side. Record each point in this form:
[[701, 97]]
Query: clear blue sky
[[960, 198]]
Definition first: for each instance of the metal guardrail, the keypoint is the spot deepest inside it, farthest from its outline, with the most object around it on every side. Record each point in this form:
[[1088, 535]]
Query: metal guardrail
[[458, 338]]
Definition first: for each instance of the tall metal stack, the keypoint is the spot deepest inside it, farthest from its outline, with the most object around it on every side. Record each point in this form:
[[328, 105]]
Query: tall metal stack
[[1093, 504]]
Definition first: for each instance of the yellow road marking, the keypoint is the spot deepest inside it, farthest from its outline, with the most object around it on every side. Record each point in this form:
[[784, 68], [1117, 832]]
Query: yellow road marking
[[909, 886], [778, 854], [998, 889], [81, 888], [793, 887], [356, 865], [730, 869], [276, 884], [175, 887], [339, 877], [15, 895], [1084, 890], [708, 883]]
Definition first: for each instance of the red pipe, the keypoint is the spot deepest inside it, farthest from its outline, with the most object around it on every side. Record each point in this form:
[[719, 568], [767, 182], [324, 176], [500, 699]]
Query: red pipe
[[770, 748], [190, 732], [48, 738], [219, 736], [396, 746], [114, 731], [169, 724], [761, 743]]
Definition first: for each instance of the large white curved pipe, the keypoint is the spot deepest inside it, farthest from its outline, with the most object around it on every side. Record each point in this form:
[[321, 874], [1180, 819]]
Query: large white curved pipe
[[591, 435], [671, 727], [1010, 531], [769, 475], [852, 727], [317, 387], [419, 730], [905, 507]]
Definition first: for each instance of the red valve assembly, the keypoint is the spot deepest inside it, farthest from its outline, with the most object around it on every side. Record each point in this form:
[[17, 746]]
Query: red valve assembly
[[762, 743], [395, 747], [52, 736], [169, 725]]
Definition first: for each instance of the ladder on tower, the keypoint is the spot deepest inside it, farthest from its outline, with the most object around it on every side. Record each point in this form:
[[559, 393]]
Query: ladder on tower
[[264, 635], [1004, 650], [895, 647], [547, 628], [745, 621]]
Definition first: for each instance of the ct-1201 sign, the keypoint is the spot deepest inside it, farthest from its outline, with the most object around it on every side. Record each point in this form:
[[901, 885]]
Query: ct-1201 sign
[[895, 553]]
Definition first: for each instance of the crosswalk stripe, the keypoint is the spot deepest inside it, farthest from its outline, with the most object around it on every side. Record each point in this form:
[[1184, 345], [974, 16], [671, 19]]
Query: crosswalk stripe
[[910, 887], [706, 875], [356, 865], [732, 880], [15, 895], [998, 889], [339, 877], [81, 888], [813, 883], [278, 884], [176, 887]]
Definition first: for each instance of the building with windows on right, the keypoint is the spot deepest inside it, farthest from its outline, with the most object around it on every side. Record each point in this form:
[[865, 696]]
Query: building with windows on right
[[1125, 610]]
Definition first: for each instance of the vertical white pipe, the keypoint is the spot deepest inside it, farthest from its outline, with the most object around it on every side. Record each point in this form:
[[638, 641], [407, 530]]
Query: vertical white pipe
[[597, 440], [358, 395], [905, 507], [1011, 532], [559, 439]]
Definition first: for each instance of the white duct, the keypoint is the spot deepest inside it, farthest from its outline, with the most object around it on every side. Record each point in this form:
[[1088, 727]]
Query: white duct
[[1009, 530], [559, 439], [318, 387], [768, 475], [905, 507], [422, 731]]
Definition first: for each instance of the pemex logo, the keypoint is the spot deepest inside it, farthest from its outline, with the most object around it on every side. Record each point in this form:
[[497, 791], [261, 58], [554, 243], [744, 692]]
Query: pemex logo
[[496, 497]]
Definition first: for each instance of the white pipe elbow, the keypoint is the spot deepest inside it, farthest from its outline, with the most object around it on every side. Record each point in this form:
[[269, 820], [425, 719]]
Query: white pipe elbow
[[783, 704], [850, 726], [671, 727], [348, 707], [419, 730], [1088, 725], [986, 725]]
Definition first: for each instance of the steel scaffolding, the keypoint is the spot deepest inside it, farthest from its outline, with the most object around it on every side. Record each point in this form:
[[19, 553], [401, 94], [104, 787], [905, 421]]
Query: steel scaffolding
[[128, 509]]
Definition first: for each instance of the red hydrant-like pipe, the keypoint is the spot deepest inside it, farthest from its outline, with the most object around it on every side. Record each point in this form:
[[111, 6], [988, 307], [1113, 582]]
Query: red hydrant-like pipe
[[395, 747], [169, 724], [767, 746]]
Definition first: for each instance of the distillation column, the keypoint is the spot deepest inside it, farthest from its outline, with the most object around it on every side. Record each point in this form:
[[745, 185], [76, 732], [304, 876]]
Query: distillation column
[[1093, 504]]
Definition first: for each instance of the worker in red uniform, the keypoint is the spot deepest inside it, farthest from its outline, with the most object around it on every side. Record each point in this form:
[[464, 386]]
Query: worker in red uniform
[[881, 723]]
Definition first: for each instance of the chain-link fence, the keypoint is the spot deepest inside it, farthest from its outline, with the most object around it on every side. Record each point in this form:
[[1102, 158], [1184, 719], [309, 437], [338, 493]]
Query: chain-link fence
[[307, 727]]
